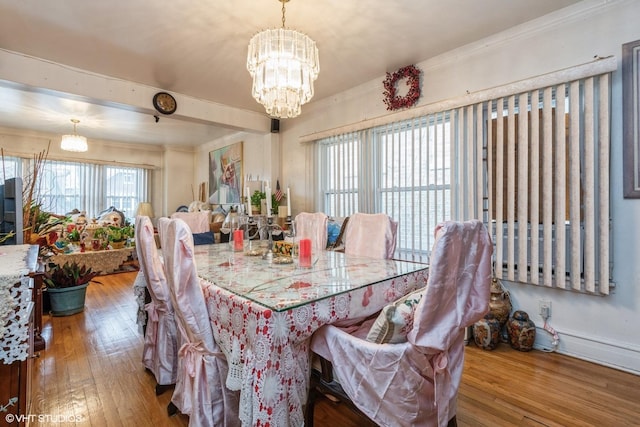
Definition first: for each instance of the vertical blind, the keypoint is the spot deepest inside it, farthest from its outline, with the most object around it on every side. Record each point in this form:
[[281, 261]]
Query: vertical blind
[[530, 159], [547, 156]]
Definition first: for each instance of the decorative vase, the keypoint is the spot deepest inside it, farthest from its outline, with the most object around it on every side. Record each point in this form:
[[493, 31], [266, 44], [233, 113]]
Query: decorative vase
[[486, 332], [522, 331], [67, 301], [500, 302]]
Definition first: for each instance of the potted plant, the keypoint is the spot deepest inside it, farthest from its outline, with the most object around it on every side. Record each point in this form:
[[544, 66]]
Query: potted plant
[[256, 201], [99, 238], [117, 237], [67, 287], [275, 203]]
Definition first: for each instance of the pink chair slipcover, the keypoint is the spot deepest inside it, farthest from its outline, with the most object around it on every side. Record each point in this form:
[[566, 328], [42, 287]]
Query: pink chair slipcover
[[312, 226], [159, 353], [416, 383], [163, 225], [202, 369], [371, 235], [198, 222]]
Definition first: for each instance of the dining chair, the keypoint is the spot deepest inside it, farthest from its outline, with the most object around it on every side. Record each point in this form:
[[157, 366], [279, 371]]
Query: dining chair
[[200, 390], [159, 353], [414, 381], [198, 222], [312, 225], [163, 225], [371, 235]]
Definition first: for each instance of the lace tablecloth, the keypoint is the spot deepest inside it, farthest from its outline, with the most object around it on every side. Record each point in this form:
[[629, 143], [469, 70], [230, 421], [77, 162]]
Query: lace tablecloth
[[263, 316], [15, 297], [103, 262]]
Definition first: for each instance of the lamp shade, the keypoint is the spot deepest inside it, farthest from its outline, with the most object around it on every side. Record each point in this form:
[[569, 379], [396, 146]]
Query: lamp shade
[[74, 143], [145, 209]]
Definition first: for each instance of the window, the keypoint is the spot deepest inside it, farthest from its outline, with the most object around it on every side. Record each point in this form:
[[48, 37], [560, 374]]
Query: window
[[65, 186], [10, 168], [401, 169], [530, 159]]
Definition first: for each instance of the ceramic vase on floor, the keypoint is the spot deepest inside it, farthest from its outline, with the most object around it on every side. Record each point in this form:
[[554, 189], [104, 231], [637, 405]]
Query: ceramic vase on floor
[[500, 302], [522, 331], [486, 332]]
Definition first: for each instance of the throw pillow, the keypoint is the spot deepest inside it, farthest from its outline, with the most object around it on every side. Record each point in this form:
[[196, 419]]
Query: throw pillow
[[205, 238], [395, 320]]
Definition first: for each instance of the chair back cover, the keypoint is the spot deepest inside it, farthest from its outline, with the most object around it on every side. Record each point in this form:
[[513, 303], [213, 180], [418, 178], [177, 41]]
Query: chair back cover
[[202, 369], [163, 225], [371, 235], [198, 222], [159, 352], [416, 383], [313, 226]]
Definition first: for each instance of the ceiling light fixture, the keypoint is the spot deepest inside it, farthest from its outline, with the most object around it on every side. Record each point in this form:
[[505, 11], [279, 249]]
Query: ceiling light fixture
[[284, 64], [74, 142]]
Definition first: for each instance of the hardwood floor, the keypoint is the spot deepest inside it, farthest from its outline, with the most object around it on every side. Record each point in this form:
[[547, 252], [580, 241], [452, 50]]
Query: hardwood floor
[[91, 375]]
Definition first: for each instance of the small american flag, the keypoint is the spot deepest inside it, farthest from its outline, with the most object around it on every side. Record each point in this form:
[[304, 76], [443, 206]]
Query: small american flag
[[278, 195]]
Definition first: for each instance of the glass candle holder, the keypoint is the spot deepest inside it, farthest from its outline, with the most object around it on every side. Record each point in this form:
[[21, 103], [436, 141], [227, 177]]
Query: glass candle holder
[[304, 253], [238, 240]]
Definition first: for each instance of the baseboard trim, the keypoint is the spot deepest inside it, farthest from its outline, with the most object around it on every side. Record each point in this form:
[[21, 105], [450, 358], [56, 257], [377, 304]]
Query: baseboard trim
[[614, 355]]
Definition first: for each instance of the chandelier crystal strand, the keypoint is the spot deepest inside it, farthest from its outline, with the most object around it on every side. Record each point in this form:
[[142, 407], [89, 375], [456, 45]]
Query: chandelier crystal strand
[[284, 64]]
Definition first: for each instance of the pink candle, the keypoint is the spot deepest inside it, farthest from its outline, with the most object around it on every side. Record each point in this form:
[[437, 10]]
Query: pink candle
[[238, 236], [304, 251]]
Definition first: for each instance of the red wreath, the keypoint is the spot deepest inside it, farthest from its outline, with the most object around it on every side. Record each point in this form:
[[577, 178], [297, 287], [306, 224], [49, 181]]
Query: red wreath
[[395, 102]]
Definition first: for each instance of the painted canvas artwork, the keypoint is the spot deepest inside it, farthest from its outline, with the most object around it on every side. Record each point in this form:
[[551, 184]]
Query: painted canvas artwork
[[225, 175]]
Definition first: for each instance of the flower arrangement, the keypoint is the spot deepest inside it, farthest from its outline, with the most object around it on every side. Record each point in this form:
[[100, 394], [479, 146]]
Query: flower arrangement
[[395, 102]]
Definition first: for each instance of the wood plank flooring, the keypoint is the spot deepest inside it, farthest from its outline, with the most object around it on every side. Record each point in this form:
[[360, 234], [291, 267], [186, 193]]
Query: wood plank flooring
[[91, 375]]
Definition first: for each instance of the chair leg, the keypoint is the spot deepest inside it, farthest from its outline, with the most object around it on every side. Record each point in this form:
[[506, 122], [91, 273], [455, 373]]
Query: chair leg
[[161, 388], [311, 403], [172, 409]]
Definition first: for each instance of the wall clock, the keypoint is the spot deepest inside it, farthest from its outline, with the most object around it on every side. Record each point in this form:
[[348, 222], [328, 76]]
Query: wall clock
[[165, 103]]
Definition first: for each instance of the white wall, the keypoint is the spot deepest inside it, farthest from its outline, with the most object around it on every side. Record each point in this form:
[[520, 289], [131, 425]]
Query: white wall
[[602, 329]]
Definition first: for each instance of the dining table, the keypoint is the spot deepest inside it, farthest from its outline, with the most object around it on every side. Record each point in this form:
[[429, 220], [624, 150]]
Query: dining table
[[264, 310]]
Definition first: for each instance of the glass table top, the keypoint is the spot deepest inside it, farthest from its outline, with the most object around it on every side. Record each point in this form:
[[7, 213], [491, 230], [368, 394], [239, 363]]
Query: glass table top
[[282, 286]]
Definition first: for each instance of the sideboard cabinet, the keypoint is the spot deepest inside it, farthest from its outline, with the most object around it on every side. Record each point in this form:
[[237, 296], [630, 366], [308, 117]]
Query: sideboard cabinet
[[18, 264]]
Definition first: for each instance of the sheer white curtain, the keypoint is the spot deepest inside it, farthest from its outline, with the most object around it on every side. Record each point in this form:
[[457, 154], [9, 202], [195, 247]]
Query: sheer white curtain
[[64, 186]]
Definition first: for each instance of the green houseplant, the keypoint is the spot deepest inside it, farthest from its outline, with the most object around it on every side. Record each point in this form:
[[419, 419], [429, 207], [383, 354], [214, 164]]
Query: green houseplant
[[256, 201], [118, 235], [67, 286]]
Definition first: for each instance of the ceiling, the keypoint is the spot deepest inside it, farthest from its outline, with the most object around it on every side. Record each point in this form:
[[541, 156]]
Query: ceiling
[[198, 48]]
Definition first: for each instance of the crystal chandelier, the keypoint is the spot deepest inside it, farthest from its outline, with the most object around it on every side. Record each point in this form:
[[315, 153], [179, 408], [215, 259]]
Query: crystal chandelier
[[283, 63], [74, 142]]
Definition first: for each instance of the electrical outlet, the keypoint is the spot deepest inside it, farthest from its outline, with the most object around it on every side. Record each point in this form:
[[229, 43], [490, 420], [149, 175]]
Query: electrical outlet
[[545, 308]]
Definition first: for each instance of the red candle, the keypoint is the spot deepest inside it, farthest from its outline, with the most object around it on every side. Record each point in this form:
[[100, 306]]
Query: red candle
[[304, 252], [238, 236]]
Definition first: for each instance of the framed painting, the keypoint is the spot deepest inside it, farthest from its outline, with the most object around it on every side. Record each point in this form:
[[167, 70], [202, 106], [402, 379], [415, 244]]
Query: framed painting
[[225, 175], [631, 118]]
